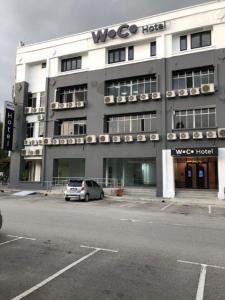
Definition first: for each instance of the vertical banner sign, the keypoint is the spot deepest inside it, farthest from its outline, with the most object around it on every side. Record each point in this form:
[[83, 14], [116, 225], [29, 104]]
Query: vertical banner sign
[[7, 136]]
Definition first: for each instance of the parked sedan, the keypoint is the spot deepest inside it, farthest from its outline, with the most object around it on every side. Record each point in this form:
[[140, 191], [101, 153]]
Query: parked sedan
[[83, 190]]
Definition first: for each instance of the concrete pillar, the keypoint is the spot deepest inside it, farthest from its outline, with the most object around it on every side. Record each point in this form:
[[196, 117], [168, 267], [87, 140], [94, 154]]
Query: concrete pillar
[[168, 175], [221, 173]]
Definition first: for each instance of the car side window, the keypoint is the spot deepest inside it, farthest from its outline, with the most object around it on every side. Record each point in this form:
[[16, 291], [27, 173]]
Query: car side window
[[88, 183], [95, 184]]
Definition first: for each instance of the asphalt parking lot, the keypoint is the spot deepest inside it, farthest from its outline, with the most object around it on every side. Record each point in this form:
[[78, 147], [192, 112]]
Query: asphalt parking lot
[[110, 249]]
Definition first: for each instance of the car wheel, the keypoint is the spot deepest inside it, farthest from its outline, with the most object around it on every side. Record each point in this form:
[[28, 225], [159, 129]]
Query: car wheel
[[67, 198], [101, 196], [86, 198]]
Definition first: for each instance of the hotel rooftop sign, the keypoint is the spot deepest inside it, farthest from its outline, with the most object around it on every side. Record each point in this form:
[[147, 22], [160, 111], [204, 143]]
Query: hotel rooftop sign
[[125, 31]]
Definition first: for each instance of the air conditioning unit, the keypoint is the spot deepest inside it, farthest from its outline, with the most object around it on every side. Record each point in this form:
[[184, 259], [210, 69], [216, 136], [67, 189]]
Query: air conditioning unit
[[54, 105], [109, 100], [128, 138], [91, 139], [121, 99], [47, 141], [33, 142], [34, 110], [41, 109], [183, 93], [208, 88], [62, 106], [221, 133], [70, 104], [28, 110], [144, 97], [211, 134], [80, 104], [40, 141], [194, 91], [170, 94], [26, 142], [41, 117], [55, 142], [116, 139], [105, 138], [38, 152], [154, 137], [184, 136], [71, 141], [80, 141], [141, 138], [197, 135], [30, 153], [132, 98], [171, 136], [63, 141], [24, 152], [156, 96]]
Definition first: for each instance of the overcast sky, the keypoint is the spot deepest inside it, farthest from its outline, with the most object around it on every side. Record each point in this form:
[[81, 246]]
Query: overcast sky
[[35, 20]]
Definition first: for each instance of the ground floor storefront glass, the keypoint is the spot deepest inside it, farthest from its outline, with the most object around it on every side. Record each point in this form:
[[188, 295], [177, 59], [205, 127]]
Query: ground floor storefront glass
[[69, 167], [196, 172], [131, 172]]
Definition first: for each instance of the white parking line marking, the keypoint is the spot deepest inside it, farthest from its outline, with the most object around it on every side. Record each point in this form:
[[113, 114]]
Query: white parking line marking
[[22, 237], [100, 249], [7, 242], [57, 274], [165, 207], [201, 283], [210, 209], [199, 264]]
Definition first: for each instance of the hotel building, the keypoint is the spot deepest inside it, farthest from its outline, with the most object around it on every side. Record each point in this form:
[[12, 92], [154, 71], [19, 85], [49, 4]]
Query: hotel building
[[141, 104]]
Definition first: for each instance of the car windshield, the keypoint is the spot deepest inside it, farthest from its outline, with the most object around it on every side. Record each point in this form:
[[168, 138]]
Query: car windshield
[[75, 183]]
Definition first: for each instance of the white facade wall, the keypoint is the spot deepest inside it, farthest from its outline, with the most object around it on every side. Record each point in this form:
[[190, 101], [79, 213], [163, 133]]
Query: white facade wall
[[94, 56]]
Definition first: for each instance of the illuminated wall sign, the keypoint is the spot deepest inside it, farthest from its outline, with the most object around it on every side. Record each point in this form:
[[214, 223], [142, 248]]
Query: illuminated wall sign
[[124, 31], [7, 136], [212, 151]]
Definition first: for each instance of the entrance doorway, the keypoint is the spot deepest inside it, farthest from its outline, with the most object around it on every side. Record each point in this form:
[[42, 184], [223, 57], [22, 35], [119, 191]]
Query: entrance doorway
[[196, 173]]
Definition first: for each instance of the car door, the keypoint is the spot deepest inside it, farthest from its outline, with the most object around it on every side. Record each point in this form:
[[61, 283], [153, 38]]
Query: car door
[[96, 189], [90, 189]]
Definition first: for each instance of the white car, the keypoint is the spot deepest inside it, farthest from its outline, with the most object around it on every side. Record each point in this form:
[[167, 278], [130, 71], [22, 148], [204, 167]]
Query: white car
[[83, 190]]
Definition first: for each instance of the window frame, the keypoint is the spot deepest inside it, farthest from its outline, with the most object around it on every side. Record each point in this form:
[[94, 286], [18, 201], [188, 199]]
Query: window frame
[[195, 113], [67, 63], [183, 37], [118, 51], [153, 48], [200, 34]]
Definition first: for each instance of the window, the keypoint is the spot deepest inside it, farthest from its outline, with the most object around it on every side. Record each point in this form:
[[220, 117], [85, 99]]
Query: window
[[42, 99], [130, 53], [195, 118], [30, 130], [183, 43], [32, 100], [132, 123], [69, 64], [186, 79], [41, 129], [201, 39], [72, 94], [43, 65], [132, 86], [70, 127], [116, 55], [153, 48]]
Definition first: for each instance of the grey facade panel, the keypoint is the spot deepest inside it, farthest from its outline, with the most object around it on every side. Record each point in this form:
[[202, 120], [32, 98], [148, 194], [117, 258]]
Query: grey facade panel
[[96, 111]]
